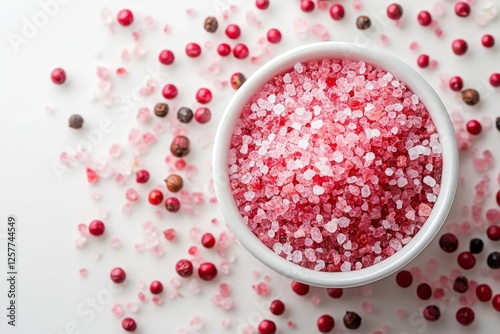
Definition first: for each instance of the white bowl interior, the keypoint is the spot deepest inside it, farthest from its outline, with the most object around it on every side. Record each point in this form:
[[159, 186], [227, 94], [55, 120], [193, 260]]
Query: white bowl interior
[[336, 50]]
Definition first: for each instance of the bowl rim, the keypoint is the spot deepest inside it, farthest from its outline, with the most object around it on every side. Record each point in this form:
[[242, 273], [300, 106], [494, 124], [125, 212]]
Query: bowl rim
[[404, 73]]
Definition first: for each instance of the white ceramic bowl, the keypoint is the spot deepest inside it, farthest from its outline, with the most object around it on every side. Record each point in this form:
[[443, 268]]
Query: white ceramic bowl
[[403, 72]]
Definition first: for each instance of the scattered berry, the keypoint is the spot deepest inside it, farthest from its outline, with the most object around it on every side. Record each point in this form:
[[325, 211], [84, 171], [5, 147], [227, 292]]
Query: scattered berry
[[459, 47], [488, 41], [174, 183], [352, 320], [224, 50], [240, 51], [142, 176], [208, 240], [470, 96], [211, 24], [156, 287], [166, 57], [448, 242], [300, 288], [325, 323], [203, 115], [267, 327], [237, 80], [203, 95], [274, 36], [193, 50], [424, 18], [207, 271], [185, 115], [474, 127], [431, 313], [462, 9], [423, 61], [129, 324], [404, 278], [58, 76], [456, 83], [172, 204], [118, 275], [495, 79], [337, 12], [363, 22], [496, 302], [155, 197], [180, 147], [96, 228], [161, 109], [277, 307], [125, 17], [461, 284], [484, 292], [307, 6], [262, 4], [465, 316], [394, 11], [476, 246], [466, 260], [184, 268], [75, 121], [233, 31], [493, 260], [424, 291], [169, 91], [334, 292]]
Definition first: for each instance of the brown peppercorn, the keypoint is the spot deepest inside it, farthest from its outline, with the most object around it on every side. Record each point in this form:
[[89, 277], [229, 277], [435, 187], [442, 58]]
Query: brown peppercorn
[[174, 183], [161, 109], [180, 146], [352, 320], [75, 121], [470, 96], [363, 22], [237, 80], [211, 24]]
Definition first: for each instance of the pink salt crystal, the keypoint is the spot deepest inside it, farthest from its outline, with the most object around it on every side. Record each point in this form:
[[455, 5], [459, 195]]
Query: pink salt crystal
[[158, 129], [196, 322], [132, 307], [132, 195], [198, 198], [357, 4], [477, 215], [182, 331], [248, 330], [97, 256], [291, 324], [255, 273], [493, 216], [149, 21], [226, 304], [300, 25], [438, 293], [102, 73], [115, 151], [384, 39], [83, 272], [224, 290], [139, 51], [117, 310], [193, 250], [414, 46], [455, 273], [434, 64], [80, 242], [120, 179], [142, 297], [157, 300], [466, 227], [226, 323], [438, 9], [194, 287], [83, 229], [378, 332], [169, 234], [315, 300], [367, 307], [102, 213], [262, 289], [144, 115], [191, 11], [431, 266], [142, 147], [366, 290], [149, 138], [483, 163], [92, 176], [121, 72], [318, 30], [267, 278], [126, 209], [224, 267], [116, 243], [401, 313], [180, 164], [134, 136]]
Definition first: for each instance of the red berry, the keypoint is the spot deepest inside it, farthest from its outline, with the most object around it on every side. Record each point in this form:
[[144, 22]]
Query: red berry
[[156, 287], [337, 12], [274, 36], [483, 292], [129, 324], [203, 95], [456, 84], [462, 9], [495, 79], [267, 327], [459, 47], [207, 271], [423, 61], [142, 176], [325, 323], [394, 11], [466, 260], [424, 18], [208, 240], [166, 57], [240, 51], [424, 291], [262, 4], [498, 198], [155, 197], [223, 49], [96, 228], [300, 288], [493, 232], [277, 307], [465, 316], [118, 275], [496, 302], [334, 292], [184, 268], [193, 50], [58, 76], [474, 127], [461, 284], [203, 115], [307, 6], [404, 278], [172, 204], [431, 313], [125, 17], [233, 31], [448, 242], [169, 91], [488, 41]]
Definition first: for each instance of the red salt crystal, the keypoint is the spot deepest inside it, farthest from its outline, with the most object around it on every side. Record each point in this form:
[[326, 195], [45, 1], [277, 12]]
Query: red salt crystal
[[262, 289], [291, 324], [493, 215], [224, 290], [121, 72], [438, 293], [157, 300], [142, 297], [92, 176], [193, 250], [367, 307], [180, 164], [83, 272]]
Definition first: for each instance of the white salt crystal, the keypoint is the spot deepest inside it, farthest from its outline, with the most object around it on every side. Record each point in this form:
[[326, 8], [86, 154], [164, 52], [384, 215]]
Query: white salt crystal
[[317, 124], [271, 98], [396, 244], [402, 181], [348, 245], [365, 191], [331, 226], [369, 156], [429, 180], [278, 109], [346, 266], [316, 235], [414, 99], [296, 126], [431, 197], [413, 153], [343, 222], [299, 233], [341, 238], [297, 256], [337, 156], [271, 233], [318, 190], [298, 68], [389, 172], [277, 248], [303, 143], [249, 195], [286, 78], [317, 110], [300, 111]]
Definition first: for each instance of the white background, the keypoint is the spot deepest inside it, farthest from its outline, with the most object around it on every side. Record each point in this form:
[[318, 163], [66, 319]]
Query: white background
[[48, 208]]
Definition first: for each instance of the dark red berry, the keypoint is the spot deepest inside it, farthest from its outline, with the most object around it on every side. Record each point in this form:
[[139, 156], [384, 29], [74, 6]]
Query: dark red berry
[[193, 50], [184, 268], [58, 76], [155, 197], [211, 24], [496, 302], [129, 324], [224, 50], [300, 288], [75, 121], [448, 242], [476, 246], [240, 51], [493, 260], [474, 127], [484, 292], [274, 36], [404, 278], [394, 11], [166, 57], [262, 4], [208, 240], [498, 198], [456, 83], [277, 307], [96, 228], [495, 79], [307, 6], [238, 79], [267, 327], [334, 292], [462, 9], [423, 61], [142, 176], [461, 284], [180, 147], [352, 320], [172, 204], [207, 271], [233, 31], [325, 323], [466, 260], [424, 18], [337, 12], [424, 291], [459, 47], [125, 17], [118, 275], [465, 316], [156, 287], [431, 313], [169, 91], [488, 41]]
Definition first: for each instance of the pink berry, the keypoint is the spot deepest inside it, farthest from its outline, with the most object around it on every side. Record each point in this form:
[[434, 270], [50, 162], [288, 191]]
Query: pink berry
[[233, 31], [394, 11], [488, 41], [424, 18], [166, 57], [423, 61], [495, 79], [129, 324], [58, 76], [337, 12], [169, 91], [203, 115], [207, 271], [184, 268], [277, 307], [155, 197], [404, 278], [172, 204], [335, 292], [466, 260], [193, 50], [274, 36], [325, 323], [223, 50], [118, 275], [465, 316], [496, 302], [125, 17], [300, 288], [208, 240], [459, 47], [424, 291], [156, 287], [462, 9], [493, 232], [96, 228], [431, 313], [240, 51], [267, 327], [203, 95], [307, 6], [456, 83], [262, 4], [474, 127], [484, 292], [142, 176]]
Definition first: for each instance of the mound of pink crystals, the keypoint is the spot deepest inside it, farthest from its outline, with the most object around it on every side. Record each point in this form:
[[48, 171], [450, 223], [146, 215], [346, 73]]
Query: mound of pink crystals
[[335, 165]]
